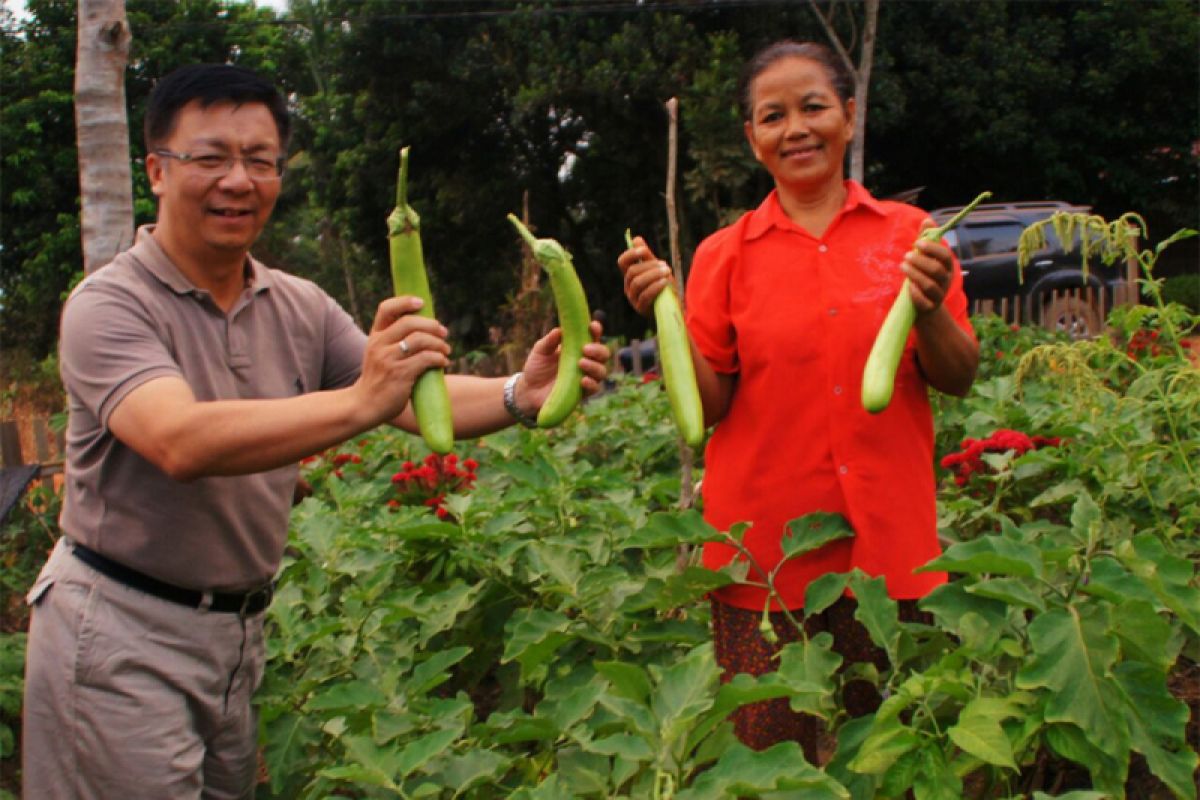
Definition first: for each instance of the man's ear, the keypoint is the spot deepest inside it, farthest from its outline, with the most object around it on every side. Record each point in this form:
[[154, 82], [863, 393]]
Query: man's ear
[[156, 167]]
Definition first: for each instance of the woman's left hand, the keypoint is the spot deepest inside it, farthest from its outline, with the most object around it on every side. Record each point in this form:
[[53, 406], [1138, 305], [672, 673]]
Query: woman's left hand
[[541, 368], [929, 267]]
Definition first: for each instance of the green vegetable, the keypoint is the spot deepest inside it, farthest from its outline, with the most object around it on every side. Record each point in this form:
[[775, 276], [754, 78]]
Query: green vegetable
[[879, 374], [679, 373], [430, 398], [573, 317]]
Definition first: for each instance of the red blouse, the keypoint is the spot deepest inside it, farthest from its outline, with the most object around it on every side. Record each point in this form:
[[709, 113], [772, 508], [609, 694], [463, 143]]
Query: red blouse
[[793, 317]]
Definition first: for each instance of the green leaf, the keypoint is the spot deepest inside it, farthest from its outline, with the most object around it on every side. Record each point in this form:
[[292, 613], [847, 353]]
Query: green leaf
[[666, 529], [1158, 726], [1073, 653], [887, 741], [369, 763], [433, 671], [991, 555], [421, 751], [807, 669], [290, 740], [1008, 590], [1169, 576], [812, 531], [978, 731], [462, 771], [744, 772], [533, 636], [877, 612], [623, 745], [683, 691], [627, 679], [737, 692], [1145, 634], [353, 694], [824, 592], [1107, 773], [935, 779], [1086, 518]]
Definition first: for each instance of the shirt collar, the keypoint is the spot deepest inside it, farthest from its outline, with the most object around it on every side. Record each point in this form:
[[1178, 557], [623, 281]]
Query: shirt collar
[[771, 214], [149, 254]]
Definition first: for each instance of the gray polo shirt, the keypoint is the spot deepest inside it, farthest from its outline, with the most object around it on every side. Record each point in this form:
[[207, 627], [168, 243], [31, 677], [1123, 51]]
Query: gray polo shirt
[[138, 319]]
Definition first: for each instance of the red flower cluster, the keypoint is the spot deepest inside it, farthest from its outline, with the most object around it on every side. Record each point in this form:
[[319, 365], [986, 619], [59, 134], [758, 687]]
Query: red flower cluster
[[428, 483], [1143, 341], [969, 461]]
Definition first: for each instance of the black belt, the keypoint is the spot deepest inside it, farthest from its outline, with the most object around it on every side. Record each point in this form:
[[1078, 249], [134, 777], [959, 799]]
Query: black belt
[[244, 603]]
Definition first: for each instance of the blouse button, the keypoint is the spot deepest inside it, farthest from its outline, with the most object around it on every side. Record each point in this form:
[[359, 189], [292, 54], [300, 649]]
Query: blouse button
[[837, 390], [843, 469], [823, 248]]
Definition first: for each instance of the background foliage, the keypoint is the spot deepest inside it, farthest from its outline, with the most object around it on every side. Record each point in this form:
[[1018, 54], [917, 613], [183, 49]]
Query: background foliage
[[1094, 103]]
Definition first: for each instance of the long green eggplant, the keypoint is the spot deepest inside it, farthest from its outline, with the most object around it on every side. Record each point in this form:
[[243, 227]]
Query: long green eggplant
[[430, 398], [675, 355], [573, 317], [879, 374]]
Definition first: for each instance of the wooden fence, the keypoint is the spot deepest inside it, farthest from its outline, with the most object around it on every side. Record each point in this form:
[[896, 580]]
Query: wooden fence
[[1081, 311], [48, 448]]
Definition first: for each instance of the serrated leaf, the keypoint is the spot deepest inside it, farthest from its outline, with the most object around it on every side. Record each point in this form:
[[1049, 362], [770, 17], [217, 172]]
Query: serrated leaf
[[877, 612], [1145, 634]]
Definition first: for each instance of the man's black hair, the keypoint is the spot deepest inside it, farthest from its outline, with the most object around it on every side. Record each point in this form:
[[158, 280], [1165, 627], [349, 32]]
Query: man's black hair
[[209, 84]]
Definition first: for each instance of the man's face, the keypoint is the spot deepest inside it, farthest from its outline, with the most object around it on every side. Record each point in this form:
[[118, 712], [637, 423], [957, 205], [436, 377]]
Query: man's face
[[202, 215]]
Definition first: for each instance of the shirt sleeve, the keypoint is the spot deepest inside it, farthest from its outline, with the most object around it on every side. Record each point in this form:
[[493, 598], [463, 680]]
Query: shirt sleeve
[[345, 344], [709, 312], [108, 346]]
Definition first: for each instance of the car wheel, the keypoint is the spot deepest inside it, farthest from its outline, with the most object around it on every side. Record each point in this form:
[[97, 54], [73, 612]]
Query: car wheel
[[1072, 315]]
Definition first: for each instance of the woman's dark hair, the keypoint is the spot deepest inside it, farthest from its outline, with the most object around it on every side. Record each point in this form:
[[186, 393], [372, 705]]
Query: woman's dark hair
[[839, 74], [209, 83]]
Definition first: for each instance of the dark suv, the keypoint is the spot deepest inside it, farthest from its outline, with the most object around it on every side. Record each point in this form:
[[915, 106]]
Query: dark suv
[[986, 245]]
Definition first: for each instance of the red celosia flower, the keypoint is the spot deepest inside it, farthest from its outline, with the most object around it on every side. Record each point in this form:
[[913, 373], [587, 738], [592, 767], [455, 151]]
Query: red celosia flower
[[968, 461], [428, 484]]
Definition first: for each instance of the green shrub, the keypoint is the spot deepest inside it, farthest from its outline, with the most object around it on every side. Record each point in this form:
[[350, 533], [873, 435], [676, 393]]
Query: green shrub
[[1183, 289]]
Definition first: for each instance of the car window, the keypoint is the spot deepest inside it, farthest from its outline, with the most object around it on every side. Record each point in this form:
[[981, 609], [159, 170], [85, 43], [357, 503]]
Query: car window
[[989, 238]]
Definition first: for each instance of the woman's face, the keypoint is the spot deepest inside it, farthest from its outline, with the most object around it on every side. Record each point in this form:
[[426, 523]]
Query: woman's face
[[799, 127]]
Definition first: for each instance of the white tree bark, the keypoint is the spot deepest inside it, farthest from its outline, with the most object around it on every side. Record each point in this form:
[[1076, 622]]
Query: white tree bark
[[862, 73], [102, 131]]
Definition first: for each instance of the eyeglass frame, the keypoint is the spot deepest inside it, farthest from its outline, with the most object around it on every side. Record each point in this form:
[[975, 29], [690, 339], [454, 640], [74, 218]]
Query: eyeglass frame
[[280, 163]]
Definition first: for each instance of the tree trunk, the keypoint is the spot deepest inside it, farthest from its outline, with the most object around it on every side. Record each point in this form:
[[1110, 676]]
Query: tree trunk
[[862, 85], [862, 73], [102, 131]]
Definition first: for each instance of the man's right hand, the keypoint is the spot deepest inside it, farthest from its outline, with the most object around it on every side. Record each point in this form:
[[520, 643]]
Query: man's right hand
[[645, 276], [400, 347]]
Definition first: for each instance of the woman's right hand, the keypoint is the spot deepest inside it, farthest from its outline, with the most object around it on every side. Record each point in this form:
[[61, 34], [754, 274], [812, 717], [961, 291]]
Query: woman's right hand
[[645, 276]]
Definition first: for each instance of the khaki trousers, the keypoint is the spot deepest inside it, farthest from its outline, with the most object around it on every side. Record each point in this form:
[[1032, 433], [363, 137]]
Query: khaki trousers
[[129, 696]]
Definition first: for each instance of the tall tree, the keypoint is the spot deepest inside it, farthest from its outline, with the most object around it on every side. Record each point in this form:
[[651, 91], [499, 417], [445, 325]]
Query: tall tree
[[829, 15], [102, 128]]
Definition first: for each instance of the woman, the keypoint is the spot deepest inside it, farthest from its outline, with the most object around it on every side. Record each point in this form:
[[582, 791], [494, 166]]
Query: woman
[[782, 309]]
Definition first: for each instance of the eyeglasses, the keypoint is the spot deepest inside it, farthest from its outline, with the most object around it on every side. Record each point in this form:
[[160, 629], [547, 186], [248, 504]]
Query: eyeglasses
[[217, 165]]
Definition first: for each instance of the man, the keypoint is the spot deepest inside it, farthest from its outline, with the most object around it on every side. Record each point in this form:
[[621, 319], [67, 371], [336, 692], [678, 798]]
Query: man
[[197, 379]]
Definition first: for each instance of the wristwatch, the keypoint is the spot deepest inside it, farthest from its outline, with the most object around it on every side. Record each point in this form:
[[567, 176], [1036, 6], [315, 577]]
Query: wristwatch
[[510, 402]]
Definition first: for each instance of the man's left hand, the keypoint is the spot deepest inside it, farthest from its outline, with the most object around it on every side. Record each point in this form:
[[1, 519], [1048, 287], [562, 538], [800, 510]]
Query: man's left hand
[[541, 368]]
